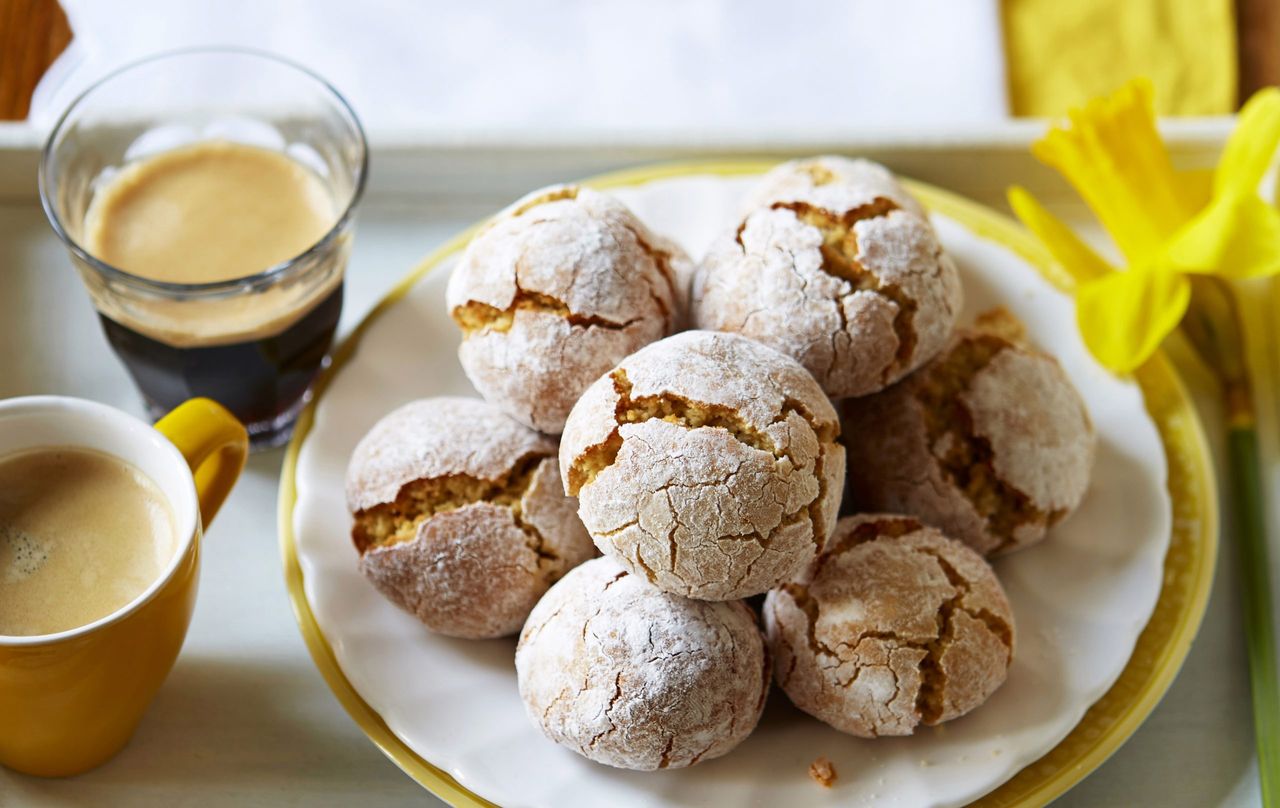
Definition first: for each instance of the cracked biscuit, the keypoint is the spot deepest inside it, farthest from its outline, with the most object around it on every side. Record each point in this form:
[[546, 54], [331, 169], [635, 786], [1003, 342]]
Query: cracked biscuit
[[633, 677], [838, 268], [990, 442], [894, 625], [556, 290], [706, 463], [460, 517]]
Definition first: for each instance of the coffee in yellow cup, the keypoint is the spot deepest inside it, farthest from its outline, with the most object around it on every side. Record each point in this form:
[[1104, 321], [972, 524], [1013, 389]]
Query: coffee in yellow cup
[[100, 524]]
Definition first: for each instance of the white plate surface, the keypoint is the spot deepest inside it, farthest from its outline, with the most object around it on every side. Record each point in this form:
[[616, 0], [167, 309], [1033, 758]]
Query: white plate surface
[[1080, 599]]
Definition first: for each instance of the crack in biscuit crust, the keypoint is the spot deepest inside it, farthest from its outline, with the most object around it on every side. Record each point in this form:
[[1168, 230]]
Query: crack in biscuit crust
[[398, 521], [473, 316], [673, 409], [677, 409]]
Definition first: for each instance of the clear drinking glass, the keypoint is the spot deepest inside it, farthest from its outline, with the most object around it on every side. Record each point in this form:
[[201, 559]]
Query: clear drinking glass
[[252, 343]]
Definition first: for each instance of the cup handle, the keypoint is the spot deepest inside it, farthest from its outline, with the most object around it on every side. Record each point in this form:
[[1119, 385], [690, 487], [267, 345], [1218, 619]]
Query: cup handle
[[215, 445]]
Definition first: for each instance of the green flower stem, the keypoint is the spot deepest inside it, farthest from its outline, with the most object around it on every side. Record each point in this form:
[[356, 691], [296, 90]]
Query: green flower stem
[[1255, 596], [1212, 324]]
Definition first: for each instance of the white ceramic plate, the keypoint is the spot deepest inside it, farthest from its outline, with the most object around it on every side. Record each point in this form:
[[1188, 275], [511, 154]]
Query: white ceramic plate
[[1080, 599]]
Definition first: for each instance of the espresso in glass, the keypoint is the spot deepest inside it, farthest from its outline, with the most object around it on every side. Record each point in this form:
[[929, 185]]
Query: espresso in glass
[[207, 199], [209, 212]]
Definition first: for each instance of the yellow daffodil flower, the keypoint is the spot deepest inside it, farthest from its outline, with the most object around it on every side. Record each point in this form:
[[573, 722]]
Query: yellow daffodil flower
[[1166, 224]]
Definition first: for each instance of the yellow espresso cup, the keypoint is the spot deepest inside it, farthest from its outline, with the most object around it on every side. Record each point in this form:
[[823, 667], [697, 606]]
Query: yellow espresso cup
[[70, 701]]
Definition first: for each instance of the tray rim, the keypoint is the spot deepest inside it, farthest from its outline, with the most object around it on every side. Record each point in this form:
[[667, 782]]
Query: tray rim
[[1184, 593], [1008, 132]]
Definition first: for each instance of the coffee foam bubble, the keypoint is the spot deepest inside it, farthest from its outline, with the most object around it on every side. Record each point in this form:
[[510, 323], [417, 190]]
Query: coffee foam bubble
[[27, 554]]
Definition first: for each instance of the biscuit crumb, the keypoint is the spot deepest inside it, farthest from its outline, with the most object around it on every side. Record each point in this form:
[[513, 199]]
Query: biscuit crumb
[[823, 772]]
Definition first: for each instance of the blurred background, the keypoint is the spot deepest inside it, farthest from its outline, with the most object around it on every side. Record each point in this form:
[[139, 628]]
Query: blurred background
[[700, 68]]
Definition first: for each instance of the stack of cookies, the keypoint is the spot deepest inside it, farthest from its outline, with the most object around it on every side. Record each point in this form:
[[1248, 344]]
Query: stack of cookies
[[710, 465]]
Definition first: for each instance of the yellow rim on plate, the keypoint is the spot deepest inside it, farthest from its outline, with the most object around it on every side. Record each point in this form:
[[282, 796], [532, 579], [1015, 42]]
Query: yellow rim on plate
[[1156, 658]]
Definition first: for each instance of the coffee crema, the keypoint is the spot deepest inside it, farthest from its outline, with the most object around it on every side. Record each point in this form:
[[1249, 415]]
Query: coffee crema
[[82, 534], [211, 211]]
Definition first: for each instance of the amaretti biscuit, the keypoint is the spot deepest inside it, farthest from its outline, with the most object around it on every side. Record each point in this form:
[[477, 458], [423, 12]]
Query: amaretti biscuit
[[556, 290], [460, 515], [707, 464], [838, 269], [893, 626], [633, 677], [989, 442]]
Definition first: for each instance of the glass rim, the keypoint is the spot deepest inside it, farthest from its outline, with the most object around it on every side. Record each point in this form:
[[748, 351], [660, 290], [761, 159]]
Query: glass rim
[[229, 286]]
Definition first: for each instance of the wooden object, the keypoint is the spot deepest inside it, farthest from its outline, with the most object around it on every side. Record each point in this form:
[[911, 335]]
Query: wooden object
[[1258, 31], [32, 34]]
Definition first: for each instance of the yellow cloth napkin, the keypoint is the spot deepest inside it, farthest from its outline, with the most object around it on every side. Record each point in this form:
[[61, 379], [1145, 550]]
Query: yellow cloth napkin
[[1061, 53]]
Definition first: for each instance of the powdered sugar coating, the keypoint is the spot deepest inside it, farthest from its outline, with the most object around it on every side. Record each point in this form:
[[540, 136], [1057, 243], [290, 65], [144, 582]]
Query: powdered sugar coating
[[584, 283], [630, 676], [1027, 421], [773, 280], [473, 569], [837, 184], [892, 626], [729, 487]]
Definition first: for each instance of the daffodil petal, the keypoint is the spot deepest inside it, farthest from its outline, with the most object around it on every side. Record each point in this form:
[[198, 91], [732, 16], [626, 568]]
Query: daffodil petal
[[1252, 145], [1113, 156], [1237, 236], [1076, 257], [1124, 316]]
